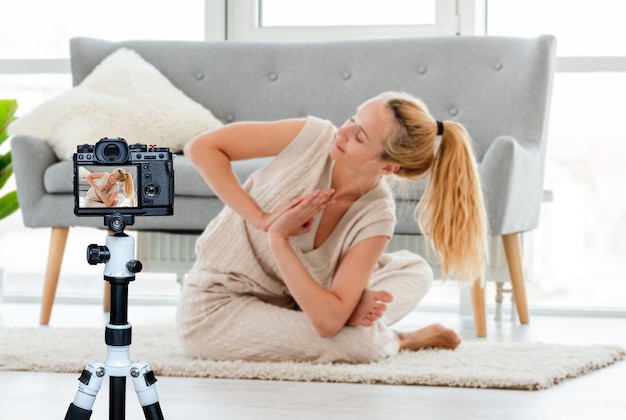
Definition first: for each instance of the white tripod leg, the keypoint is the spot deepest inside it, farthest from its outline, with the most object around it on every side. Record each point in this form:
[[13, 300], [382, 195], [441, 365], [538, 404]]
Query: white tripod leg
[[144, 382], [88, 386]]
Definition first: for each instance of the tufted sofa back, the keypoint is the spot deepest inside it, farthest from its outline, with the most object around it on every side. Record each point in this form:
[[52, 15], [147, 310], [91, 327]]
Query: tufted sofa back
[[493, 85], [497, 87]]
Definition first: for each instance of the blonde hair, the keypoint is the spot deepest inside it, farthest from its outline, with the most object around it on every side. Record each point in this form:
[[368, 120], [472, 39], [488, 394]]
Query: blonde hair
[[129, 186], [451, 211]]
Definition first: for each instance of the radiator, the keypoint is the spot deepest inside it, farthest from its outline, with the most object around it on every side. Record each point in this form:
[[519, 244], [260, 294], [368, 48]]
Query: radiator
[[166, 252], [175, 253]]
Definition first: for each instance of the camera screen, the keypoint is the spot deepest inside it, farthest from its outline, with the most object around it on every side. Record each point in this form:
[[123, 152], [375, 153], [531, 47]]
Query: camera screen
[[107, 186]]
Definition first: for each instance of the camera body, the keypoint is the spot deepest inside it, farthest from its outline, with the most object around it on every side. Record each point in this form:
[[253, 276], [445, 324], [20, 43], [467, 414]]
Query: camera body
[[112, 177]]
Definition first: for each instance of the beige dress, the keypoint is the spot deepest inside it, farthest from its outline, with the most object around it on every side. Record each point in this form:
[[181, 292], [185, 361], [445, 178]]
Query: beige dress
[[236, 306]]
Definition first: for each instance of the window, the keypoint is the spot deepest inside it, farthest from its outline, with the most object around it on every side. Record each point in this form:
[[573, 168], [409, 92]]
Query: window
[[32, 89], [34, 63], [581, 241], [289, 13], [287, 20], [583, 28], [41, 28]]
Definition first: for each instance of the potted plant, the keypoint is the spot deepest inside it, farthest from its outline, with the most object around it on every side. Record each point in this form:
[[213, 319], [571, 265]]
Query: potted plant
[[8, 202]]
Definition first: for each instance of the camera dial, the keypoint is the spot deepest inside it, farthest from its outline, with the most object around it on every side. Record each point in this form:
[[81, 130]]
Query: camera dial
[[84, 148], [97, 254]]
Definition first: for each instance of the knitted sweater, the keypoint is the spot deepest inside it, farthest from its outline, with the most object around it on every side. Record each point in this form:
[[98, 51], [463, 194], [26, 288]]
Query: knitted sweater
[[92, 197], [230, 245], [236, 306]]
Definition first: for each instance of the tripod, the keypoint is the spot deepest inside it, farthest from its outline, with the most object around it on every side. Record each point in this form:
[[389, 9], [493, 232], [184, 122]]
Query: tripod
[[119, 270]]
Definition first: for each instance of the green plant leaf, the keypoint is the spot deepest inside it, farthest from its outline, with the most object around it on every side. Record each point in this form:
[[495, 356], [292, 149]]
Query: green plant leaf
[[7, 112], [5, 174], [8, 204], [5, 161]]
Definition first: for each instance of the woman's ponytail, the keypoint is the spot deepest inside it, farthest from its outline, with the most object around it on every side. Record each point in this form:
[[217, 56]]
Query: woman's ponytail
[[129, 186], [452, 210]]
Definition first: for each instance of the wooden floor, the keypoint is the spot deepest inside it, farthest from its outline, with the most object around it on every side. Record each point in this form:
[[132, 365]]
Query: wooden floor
[[599, 395]]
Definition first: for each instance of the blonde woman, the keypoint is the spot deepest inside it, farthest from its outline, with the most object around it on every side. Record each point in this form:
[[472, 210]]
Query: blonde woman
[[294, 268], [104, 191]]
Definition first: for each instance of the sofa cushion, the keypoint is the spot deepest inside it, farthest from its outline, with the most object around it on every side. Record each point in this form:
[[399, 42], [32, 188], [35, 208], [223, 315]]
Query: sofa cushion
[[125, 96]]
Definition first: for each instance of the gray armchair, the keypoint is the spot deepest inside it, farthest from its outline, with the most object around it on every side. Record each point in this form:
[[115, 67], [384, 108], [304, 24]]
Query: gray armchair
[[498, 87]]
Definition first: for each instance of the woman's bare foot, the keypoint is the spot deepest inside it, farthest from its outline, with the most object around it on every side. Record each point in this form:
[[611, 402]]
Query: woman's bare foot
[[370, 308], [432, 336]]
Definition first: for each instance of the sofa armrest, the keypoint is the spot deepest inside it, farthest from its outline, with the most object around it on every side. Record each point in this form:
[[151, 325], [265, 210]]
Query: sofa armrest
[[512, 179], [31, 157]]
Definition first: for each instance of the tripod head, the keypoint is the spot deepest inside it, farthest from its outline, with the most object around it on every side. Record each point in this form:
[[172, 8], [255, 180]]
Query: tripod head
[[118, 253]]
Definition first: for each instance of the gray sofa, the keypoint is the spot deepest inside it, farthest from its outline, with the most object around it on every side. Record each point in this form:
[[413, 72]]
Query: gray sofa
[[498, 87]]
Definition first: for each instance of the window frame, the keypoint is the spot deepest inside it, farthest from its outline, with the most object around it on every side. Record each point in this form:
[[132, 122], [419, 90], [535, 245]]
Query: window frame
[[243, 16]]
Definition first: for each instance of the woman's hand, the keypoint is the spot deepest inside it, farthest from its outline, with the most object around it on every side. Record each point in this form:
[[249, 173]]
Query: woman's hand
[[296, 217], [266, 219]]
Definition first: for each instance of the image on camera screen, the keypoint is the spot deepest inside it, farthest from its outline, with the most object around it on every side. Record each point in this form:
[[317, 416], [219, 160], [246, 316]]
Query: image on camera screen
[[107, 186]]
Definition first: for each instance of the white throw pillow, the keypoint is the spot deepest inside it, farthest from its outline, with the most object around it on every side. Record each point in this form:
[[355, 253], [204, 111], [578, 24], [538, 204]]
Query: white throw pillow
[[124, 96]]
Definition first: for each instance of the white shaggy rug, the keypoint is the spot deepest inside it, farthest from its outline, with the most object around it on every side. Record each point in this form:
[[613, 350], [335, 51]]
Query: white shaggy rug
[[531, 366]]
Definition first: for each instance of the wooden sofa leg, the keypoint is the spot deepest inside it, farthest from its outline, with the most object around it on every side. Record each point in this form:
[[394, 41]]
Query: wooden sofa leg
[[479, 309], [513, 252], [58, 239]]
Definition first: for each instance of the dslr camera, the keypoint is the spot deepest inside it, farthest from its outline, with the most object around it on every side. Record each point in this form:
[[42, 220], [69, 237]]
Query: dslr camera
[[112, 177]]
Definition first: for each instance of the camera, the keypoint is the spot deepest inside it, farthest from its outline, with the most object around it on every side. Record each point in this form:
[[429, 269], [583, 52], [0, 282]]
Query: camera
[[112, 177]]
